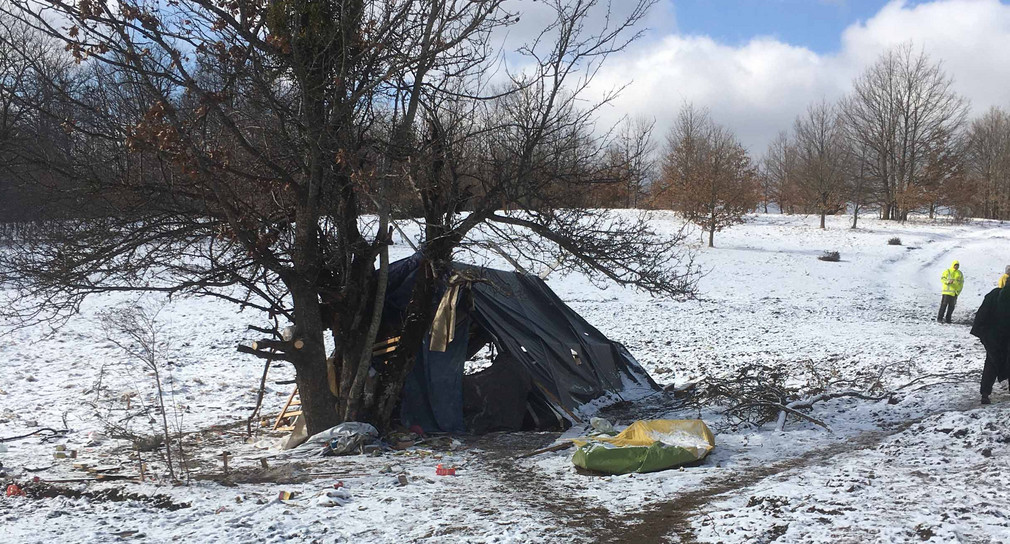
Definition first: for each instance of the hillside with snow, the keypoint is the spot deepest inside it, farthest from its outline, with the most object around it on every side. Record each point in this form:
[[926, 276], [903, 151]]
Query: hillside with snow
[[924, 462]]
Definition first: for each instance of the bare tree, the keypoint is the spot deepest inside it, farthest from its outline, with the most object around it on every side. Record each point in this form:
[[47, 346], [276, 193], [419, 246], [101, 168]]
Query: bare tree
[[859, 183], [707, 175], [136, 332], [900, 110], [944, 179], [778, 174], [632, 158], [821, 159], [988, 162], [627, 168], [259, 153]]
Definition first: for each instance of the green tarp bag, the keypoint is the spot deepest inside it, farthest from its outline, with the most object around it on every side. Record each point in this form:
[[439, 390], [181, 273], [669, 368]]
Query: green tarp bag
[[646, 446]]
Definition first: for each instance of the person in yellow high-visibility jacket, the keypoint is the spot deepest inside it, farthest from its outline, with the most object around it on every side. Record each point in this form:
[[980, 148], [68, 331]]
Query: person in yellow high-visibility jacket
[[1002, 279], [953, 282]]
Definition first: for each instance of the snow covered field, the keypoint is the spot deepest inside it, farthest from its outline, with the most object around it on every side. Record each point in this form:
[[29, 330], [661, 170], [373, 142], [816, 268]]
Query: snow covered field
[[928, 464]]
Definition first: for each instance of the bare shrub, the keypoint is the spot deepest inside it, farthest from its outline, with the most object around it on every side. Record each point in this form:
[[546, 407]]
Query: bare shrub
[[135, 330], [894, 241]]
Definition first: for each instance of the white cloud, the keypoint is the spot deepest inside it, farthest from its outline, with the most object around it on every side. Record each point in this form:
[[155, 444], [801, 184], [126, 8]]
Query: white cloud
[[758, 88]]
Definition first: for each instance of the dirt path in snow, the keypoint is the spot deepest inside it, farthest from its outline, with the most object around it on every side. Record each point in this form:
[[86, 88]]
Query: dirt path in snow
[[670, 520], [661, 522]]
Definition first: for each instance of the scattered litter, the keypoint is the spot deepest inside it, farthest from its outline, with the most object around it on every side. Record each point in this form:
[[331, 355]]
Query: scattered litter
[[13, 490], [94, 438], [602, 426], [63, 453], [286, 495], [440, 471], [334, 497]]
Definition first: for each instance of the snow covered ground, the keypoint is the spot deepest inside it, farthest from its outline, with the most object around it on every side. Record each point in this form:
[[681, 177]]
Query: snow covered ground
[[928, 464]]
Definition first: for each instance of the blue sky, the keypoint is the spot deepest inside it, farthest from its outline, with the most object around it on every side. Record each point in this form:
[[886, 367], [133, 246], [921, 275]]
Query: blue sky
[[814, 24], [758, 64]]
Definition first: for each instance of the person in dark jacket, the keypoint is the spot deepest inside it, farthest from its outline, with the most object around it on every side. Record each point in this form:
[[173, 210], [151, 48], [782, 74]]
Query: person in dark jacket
[[992, 327]]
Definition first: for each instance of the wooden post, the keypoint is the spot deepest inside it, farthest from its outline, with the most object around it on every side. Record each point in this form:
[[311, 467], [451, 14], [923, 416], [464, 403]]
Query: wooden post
[[224, 457]]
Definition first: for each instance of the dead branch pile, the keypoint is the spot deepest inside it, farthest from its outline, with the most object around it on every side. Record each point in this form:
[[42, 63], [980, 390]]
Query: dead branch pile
[[758, 394]]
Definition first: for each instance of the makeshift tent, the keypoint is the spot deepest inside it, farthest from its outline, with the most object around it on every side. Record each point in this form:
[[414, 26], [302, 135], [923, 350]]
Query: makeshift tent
[[549, 361]]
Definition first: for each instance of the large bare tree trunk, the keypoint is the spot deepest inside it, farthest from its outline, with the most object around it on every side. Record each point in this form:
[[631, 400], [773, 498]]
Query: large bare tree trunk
[[318, 403]]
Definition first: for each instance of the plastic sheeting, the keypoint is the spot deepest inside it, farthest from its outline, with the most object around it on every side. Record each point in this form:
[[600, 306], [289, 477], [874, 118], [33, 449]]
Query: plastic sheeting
[[347, 437], [566, 361], [646, 446]]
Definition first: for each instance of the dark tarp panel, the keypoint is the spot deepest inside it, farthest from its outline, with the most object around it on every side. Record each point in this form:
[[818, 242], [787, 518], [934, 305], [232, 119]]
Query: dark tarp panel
[[433, 392], [553, 355], [495, 398], [564, 353]]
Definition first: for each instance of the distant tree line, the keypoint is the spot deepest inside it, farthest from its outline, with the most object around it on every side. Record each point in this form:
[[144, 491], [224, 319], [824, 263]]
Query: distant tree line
[[899, 143]]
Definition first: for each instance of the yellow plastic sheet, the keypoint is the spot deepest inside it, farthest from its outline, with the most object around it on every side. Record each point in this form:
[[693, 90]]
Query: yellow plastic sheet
[[690, 434]]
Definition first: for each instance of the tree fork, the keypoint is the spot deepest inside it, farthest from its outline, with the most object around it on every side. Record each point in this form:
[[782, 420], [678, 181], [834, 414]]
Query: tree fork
[[355, 389]]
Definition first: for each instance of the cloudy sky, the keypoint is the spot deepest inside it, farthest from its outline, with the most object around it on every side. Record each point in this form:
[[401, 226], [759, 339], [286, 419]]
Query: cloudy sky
[[757, 64]]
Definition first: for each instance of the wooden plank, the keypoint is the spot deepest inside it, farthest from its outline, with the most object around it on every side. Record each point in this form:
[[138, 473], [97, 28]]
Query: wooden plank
[[287, 405], [331, 377], [557, 402], [387, 342], [556, 447], [99, 469]]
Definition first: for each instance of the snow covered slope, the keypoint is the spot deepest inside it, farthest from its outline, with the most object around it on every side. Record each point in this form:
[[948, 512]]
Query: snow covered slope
[[930, 465]]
